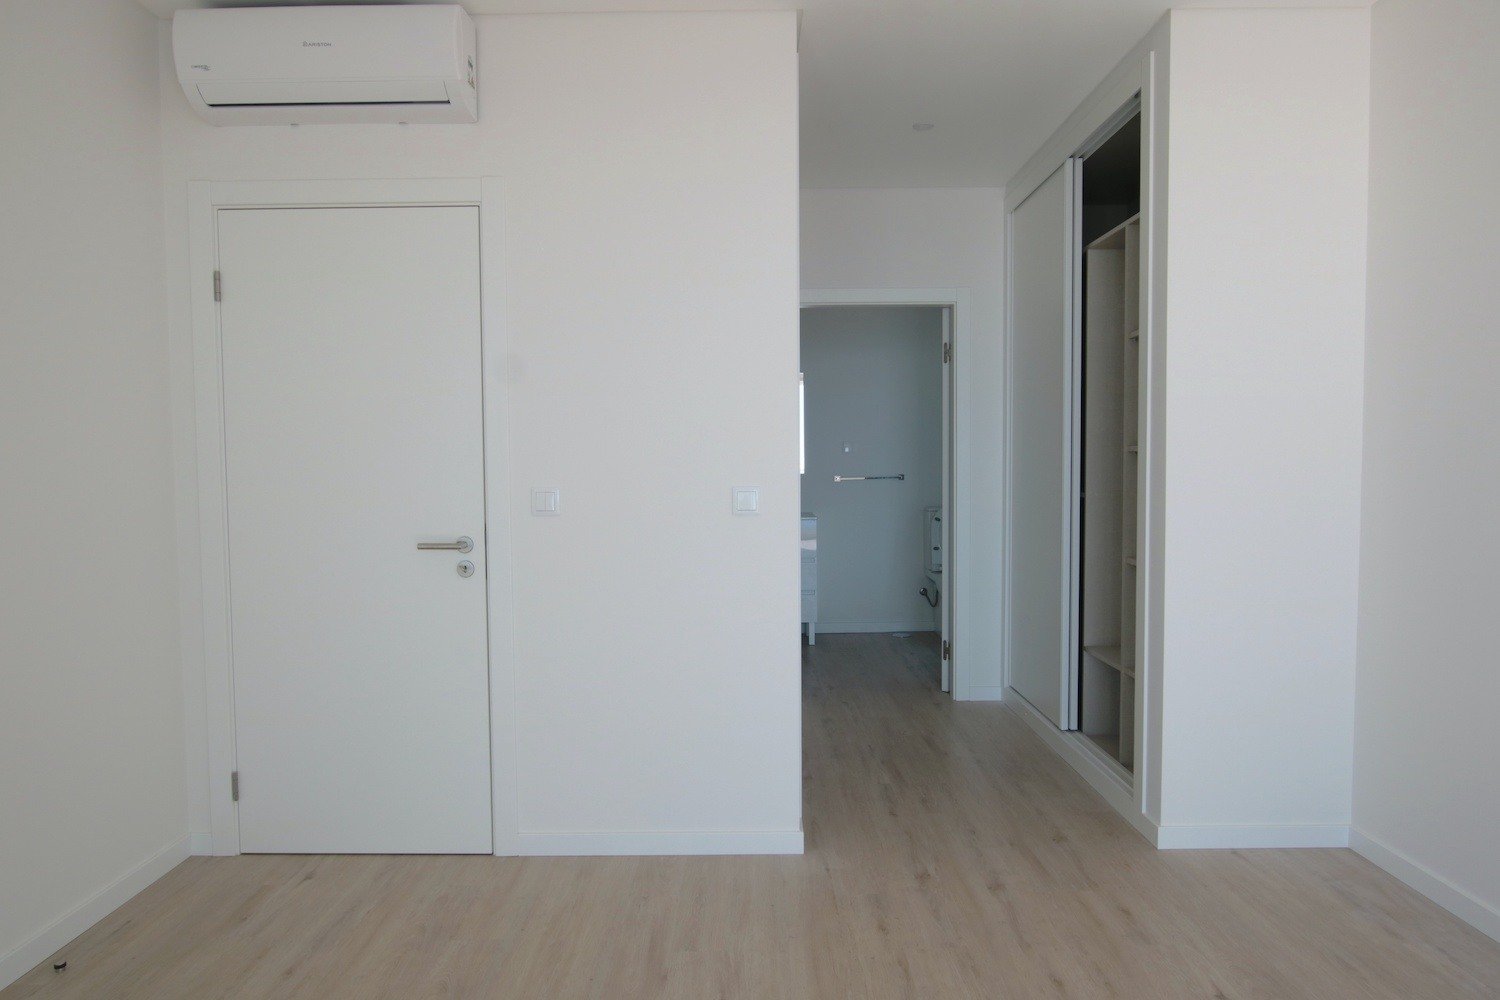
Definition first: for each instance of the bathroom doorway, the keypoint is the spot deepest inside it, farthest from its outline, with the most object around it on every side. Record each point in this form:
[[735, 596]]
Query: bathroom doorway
[[877, 484]]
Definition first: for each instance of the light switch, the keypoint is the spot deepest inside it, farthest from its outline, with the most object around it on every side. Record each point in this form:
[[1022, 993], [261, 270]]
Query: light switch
[[746, 500], [546, 502]]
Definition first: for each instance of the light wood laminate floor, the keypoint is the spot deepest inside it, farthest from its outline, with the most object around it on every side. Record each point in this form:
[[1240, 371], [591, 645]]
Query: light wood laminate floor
[[949, 854]]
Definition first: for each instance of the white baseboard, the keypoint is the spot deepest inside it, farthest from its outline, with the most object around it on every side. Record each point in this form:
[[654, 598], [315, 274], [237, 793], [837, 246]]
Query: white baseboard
[[659, 842], [201, 844], [1076, 750], [1455, 899], [978, 692], [1180, 837], [1072, 748], [839, 628], [86, 914]]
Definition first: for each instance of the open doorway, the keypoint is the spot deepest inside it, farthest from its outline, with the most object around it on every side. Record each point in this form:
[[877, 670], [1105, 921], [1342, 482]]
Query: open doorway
[[877, 481]]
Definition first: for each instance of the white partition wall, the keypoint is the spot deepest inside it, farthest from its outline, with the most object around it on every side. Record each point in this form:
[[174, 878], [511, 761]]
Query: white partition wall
[[1255, 144], [656, 697], [1268, 192]]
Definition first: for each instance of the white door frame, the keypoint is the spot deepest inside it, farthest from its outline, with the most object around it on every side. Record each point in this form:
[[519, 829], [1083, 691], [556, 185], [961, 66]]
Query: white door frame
[[956, 299], [205, 199]]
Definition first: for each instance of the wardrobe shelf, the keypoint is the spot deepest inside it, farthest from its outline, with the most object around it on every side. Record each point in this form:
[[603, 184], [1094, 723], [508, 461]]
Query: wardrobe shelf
[[1113, 657], [1115, 238]]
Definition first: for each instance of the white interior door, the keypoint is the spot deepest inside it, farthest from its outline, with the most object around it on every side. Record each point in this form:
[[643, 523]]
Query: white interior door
[[945, 533], [1040, 418], [352, 415]]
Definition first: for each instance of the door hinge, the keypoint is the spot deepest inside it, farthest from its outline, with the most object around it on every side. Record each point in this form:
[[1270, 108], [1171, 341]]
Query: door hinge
[[947, 350], [234, 780], [947, 649], [218, 287]]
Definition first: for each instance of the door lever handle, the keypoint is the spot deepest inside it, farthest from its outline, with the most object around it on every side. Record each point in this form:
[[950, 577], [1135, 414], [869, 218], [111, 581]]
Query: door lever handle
[[464, 544]]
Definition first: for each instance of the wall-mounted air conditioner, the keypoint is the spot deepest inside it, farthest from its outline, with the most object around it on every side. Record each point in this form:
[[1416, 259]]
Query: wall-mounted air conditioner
[[326, 65]]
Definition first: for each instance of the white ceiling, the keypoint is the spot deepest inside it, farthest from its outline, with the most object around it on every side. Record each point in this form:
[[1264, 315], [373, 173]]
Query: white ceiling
[[994, 77]]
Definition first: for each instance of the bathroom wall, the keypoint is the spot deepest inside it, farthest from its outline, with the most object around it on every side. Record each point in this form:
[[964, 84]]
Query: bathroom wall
[[873, 382]]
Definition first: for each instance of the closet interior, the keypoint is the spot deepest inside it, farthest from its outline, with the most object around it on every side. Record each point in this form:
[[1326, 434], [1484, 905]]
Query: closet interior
[[1108, 381]]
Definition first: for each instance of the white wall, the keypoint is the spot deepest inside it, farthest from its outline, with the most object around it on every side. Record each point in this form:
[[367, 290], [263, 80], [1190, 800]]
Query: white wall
[[949, 238], [1269, 114], [650, 284], [90, 696], [1426, 796], [874, 381]]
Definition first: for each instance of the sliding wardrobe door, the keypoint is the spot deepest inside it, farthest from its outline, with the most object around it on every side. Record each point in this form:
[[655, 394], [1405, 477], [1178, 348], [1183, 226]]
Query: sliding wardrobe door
[[1040, 422]]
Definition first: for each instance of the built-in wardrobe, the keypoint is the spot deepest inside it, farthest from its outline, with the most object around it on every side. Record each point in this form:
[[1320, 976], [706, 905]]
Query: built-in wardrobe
[[1074, 417], [1107, 391]]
